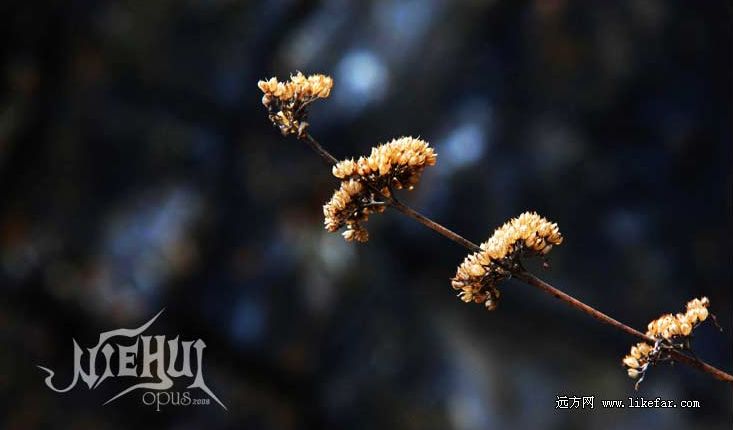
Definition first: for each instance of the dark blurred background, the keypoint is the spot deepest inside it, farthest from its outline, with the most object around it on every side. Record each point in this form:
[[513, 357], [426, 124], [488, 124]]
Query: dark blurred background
[[138, 171]]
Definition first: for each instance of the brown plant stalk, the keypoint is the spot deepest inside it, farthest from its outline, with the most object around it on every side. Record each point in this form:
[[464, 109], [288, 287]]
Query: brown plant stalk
[[526, 276]]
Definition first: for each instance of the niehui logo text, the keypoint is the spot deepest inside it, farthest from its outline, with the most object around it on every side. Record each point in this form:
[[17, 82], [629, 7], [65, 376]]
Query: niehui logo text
[[142, 359]]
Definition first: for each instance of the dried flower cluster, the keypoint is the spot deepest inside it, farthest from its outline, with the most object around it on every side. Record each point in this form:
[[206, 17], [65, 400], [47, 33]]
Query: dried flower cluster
[[670, 331], [397, 164], [287, 102], [366, 182], [350, 205], [527, 235], [670, 326], [638, 359]]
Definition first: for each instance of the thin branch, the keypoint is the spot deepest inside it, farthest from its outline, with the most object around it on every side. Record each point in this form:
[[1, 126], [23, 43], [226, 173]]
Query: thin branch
[[572, 301], [427, 222], [315, 146], [527, 277]]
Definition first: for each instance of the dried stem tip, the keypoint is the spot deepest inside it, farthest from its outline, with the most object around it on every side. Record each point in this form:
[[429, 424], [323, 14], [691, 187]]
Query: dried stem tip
[[670, 332], [287, 102], [394, 165], [527, 235]]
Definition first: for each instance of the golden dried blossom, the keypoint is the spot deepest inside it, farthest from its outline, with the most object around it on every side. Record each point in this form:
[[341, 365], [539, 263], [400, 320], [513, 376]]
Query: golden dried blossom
[[349, 206], [367, 181], [670, 332], [638, 359], [670, 326], [526, 235], [397, 164], [287, 102]]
